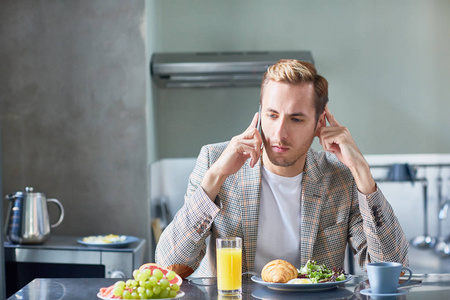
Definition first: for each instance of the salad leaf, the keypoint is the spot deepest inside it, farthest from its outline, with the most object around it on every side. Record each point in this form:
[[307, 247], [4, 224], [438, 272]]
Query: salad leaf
[[319, 273], [340, 277]]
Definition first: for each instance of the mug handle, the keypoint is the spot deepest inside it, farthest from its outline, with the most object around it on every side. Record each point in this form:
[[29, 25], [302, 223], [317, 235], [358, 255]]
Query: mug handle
[[409, 278], [61, 210]]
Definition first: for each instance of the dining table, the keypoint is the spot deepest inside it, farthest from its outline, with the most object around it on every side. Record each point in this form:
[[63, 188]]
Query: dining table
[[422, 286]]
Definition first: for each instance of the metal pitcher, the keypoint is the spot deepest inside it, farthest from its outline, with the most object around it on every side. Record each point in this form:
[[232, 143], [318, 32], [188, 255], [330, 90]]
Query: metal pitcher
[[28, 221]]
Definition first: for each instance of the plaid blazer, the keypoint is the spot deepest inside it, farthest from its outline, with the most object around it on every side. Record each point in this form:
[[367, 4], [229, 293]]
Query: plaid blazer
[[333, 213]]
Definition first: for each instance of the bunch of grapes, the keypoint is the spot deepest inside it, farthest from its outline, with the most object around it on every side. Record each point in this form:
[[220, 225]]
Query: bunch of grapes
[[147, 285]]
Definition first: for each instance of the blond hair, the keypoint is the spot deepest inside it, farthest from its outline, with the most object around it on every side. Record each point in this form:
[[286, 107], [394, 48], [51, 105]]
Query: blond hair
[[293, 71]]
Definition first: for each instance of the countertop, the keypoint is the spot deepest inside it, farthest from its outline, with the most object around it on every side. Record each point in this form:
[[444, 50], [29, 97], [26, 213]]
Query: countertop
[[428, 286]]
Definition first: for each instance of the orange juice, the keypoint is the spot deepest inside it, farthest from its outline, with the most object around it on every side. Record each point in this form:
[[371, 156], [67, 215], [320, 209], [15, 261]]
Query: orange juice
[[229, 269]]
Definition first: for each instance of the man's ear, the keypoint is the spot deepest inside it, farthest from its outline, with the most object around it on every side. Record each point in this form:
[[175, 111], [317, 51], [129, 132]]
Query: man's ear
[[322, 122]]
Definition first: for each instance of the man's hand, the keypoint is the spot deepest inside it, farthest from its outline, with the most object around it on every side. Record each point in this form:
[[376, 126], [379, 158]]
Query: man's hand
[[241, 147], [338, 140]]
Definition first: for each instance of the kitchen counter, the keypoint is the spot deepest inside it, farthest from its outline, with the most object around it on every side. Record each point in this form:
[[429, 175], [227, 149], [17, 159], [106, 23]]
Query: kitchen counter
[[433, 286], [64, 256]]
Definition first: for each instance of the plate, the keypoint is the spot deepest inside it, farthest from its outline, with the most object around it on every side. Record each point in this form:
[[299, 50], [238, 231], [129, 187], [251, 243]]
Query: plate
[[306, 287], [264, 293], [129, 240], [179, 295], [368, 292]]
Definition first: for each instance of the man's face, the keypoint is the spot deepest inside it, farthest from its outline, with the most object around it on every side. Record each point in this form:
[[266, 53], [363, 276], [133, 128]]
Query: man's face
[[288, 126]]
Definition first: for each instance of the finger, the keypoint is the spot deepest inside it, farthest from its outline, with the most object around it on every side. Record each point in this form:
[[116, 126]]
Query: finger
[[252, 143], [251, 133], [331, 119], [328, 145], [253, 147], [259, 140], [254, 153], [254, 122], [328, 137]]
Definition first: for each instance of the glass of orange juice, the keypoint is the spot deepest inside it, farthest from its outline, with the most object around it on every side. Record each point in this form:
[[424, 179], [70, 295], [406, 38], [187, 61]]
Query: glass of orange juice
[[229, 265]]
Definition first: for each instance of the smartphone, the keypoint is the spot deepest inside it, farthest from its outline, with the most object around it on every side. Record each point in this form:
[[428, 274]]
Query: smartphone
[[258, 125]]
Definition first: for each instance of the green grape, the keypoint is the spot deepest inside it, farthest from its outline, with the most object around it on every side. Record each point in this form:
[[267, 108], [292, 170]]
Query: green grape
[[175, 287], [158, 274], [134, 295], [140, 289], [134, 283], [170, 275], [148, 285], [147, 272], [172, 294], [164, 283], [149, 293], [117, 291], [153, 280], [126, 294], [128, 283], [120, 284], [142, 276], [136, 274], [142, 283], [156, 290], [143, 295], [164, 294]]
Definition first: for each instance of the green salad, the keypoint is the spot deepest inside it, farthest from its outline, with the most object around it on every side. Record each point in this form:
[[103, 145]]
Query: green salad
[[319, 273]]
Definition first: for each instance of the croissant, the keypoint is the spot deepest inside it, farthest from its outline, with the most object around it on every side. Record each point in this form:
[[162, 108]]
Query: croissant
[[279, 271]]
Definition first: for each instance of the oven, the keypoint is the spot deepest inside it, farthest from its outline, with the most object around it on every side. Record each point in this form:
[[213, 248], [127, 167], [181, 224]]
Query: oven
[[63, 257]]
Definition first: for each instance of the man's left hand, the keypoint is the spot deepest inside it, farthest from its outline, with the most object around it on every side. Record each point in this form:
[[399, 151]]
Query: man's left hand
[[338, 140]]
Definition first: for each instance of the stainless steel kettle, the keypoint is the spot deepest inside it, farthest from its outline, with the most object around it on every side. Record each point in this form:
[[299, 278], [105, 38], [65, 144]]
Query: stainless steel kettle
[[28, 221]]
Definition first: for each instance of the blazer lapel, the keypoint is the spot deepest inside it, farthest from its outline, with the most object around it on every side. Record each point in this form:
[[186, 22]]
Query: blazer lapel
[[311, 206], [251, 191]]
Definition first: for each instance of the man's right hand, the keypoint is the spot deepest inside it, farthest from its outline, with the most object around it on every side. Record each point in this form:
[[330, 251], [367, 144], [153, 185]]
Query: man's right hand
[[241, 147]]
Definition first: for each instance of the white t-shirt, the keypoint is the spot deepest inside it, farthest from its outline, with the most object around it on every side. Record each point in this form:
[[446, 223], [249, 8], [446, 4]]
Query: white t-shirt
[[279, 219]]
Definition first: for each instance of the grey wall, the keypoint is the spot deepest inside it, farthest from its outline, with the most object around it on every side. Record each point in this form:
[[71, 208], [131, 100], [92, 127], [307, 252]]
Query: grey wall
[[73, 93], [2, 255], [81, 121], [386, 61]]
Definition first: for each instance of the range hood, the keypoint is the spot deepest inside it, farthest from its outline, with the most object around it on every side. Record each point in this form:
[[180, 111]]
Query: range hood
[[216, 69]]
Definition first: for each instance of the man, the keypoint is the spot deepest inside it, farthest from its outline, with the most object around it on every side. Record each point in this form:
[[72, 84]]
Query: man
[[282, 198]]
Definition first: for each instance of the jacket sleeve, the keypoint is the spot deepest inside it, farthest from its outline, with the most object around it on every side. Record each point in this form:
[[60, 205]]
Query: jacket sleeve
[[375, 233], [182, 245]]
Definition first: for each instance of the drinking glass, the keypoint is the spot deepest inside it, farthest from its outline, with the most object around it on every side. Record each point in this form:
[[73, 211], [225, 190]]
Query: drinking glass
[[229, 265]]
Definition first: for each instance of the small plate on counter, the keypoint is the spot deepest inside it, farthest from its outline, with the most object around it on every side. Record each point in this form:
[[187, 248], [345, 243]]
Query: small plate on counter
[[108, 241], [179, 295]]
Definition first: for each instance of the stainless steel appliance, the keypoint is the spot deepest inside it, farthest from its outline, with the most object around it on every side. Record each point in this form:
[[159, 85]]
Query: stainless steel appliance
[[28, 220], [64, 257], [217, 69]]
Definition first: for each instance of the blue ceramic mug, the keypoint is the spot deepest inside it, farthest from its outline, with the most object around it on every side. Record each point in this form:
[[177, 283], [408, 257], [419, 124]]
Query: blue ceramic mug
[[384, 277]]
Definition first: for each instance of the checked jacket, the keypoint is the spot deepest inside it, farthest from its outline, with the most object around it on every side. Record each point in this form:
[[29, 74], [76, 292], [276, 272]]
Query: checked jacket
[[333, 214]]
